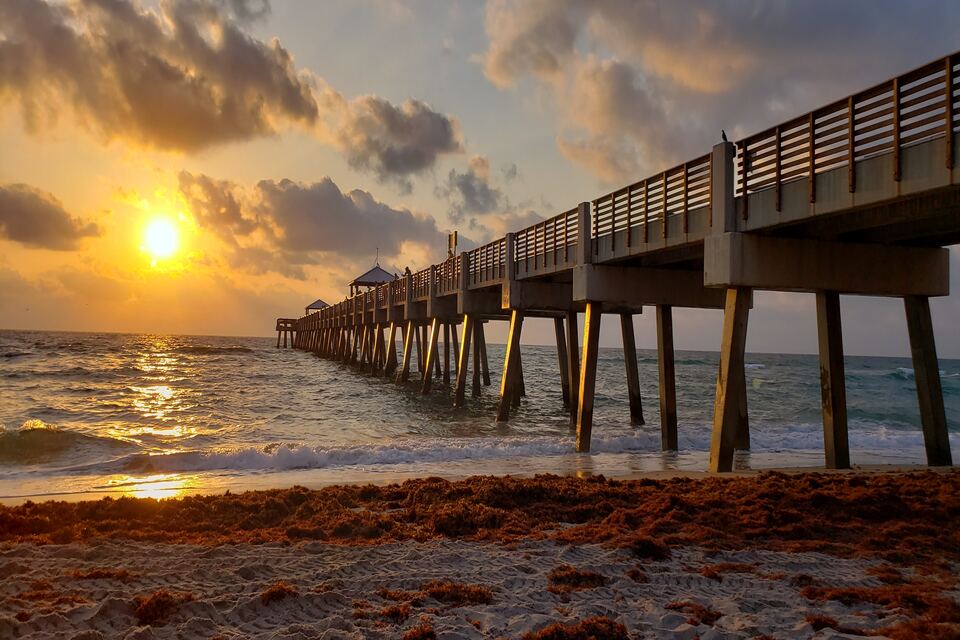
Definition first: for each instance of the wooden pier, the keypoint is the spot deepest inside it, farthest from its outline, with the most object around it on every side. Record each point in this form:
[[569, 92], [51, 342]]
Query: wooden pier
[[857, 197]]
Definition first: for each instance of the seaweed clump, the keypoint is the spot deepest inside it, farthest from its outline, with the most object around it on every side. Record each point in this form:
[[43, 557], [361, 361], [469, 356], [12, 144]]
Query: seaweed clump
[[156, 609], [596, 628], [567, 578]]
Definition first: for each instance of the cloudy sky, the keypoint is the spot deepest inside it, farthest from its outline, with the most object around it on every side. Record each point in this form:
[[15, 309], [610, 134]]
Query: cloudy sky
[[287, 142]]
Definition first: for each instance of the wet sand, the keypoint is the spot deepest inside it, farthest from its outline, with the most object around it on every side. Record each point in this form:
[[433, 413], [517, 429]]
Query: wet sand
[[760, 555]]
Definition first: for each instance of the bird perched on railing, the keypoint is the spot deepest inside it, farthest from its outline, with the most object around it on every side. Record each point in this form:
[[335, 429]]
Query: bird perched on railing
[[723, 135]]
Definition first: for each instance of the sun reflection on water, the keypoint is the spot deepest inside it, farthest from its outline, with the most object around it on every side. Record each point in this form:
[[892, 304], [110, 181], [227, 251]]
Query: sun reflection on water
[[159, 486]]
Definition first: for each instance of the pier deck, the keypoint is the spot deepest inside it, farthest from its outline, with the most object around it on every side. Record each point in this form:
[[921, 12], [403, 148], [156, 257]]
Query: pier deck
[[857, 197]]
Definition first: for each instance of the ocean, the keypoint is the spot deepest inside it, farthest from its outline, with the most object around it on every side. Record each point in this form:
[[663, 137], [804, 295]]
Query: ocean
[[84, 415]]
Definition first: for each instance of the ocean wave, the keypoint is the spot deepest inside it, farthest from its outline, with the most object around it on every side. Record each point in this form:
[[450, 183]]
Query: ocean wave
[[211, 350], [16, 354], [412, 453], [37, 442]]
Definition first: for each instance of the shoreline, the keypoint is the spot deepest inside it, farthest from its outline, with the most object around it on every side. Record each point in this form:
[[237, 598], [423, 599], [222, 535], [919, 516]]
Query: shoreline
[[830, 555], [165, 486]]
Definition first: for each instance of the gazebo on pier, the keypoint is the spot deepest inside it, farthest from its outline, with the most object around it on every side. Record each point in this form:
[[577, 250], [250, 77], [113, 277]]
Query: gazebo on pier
[[315, 306], [372, 278]]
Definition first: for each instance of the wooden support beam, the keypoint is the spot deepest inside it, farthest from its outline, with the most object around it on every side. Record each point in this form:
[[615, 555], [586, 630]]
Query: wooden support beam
[[726, 408], [926, 373], [431, 355], [484, 363], [833, 393], [631, 288], [381, 350], [416, 335], [511, 362], [562, 360], [463, 360], [456, 348], [588, 375], [391, 363], [633, 373], [404, 373], [478, 327], [573, 360], [746, 260], [668, 379], [446, 353], [364, 346], [278, 339]]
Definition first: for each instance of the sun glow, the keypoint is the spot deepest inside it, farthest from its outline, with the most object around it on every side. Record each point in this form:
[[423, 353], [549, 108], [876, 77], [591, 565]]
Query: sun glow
[[161, 238]]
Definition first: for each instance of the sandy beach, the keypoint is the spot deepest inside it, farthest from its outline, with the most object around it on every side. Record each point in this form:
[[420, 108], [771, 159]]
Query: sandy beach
[[761, 556]]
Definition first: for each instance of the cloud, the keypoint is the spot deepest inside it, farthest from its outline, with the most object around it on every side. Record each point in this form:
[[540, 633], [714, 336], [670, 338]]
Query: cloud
[[186, 76], [471, 193], [36, 219], [391, 141], [642, 86], [283, 226]]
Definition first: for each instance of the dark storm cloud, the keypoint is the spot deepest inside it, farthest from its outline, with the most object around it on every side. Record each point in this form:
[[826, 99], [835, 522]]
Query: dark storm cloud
[[36, 219]]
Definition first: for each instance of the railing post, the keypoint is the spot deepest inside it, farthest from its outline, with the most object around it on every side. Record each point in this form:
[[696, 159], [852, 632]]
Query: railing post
[[584, 249], [408, 282], [722, 200], [464, 271], [509, 257]]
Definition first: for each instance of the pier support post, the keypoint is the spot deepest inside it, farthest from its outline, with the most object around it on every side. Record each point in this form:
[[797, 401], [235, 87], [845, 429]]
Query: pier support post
[[588, 375], [726, 408], [482, 353], [416, 335], [404, 374], [509, 386], [926, 373], [446, 353], [355, 345], [456, 348], [573, 360], [833, 394], [633, 373], [463, 361], [477, 328], [377, 349], [364, 347], [668, 378], [431, 355], [562, 359], [391, 364]]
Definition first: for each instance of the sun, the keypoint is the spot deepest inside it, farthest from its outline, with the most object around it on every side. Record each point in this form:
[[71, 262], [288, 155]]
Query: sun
[[161, 238]]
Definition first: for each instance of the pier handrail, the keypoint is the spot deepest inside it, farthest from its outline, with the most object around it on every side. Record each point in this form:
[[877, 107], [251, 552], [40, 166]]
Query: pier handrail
[[486, 263], [667, 194], [909, 109], [551, 242]]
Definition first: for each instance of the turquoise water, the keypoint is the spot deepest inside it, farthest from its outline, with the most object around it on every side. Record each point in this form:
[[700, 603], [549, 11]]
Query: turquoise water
[[87, 414]]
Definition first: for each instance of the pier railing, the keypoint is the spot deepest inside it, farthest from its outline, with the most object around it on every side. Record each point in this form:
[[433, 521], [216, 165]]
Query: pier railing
[[448, 276], [486, 264], [547, 246], [912, 108], [639, 212]]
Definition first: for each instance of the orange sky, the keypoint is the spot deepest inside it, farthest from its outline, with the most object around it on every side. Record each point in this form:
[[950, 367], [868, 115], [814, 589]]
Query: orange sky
[[288, 143]]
